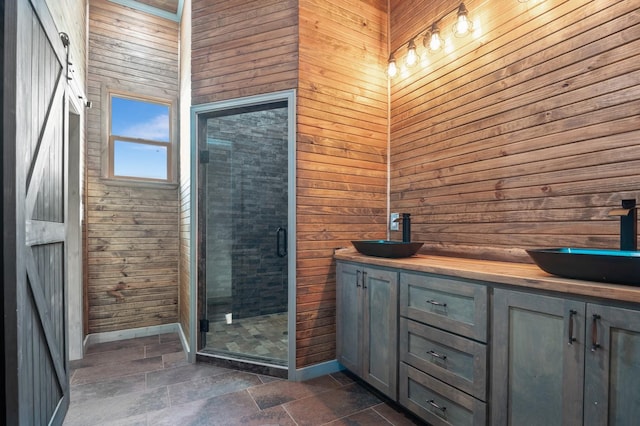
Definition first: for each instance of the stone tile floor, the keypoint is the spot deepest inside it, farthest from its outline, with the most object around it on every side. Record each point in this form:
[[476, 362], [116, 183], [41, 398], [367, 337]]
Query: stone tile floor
[[263, 338], [147, 381]]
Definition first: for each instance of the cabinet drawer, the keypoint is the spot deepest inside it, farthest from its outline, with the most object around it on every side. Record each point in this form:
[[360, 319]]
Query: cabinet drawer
[[457, 361], [436, 402], [451, 304]]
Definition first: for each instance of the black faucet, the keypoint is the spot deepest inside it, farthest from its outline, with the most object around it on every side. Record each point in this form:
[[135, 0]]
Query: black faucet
[[406, 227], [628, 224]]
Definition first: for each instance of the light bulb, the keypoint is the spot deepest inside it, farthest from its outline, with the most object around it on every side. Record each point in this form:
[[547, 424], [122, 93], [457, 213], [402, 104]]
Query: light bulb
[[435, 43], [463, 25], [392, 69], [432, 39], [412, 56]]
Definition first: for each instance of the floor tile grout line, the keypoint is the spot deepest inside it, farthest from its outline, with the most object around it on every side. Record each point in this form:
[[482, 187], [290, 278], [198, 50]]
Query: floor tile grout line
[[357, 412], [103, 379], [104, 353], [288, 413], [251, 396], [382, 415], [106, 380]]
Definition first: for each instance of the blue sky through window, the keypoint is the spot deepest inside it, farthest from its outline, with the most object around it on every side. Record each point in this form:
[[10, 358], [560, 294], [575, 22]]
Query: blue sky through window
[[140, 160], [139, 119]]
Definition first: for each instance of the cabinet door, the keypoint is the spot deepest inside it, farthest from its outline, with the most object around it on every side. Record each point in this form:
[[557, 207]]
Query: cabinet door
[[380, 332], [612, 382], [348, 318], [537, 367]]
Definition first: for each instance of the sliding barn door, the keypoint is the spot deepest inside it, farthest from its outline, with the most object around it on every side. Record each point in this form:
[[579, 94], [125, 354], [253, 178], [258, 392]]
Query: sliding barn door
[[34, 212]]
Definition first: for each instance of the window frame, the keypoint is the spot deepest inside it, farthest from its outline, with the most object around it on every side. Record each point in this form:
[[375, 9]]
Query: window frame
[[109, 139]]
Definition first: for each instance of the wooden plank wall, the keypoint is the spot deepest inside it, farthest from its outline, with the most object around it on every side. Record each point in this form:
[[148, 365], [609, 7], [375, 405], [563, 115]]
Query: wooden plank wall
[[239, 48], [184, 278], [132, 230], [341, 153], [525, 136], [334, 54], [243, 48]]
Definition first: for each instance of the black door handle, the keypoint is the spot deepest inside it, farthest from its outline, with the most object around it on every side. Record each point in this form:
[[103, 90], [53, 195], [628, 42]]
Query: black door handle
[[281, 250]]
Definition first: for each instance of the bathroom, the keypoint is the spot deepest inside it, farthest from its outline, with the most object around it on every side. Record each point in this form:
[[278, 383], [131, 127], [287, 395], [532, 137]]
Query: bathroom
[[522, 134]]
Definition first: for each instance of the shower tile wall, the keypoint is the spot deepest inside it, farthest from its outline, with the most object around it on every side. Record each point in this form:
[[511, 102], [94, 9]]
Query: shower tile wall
[[246, 187]]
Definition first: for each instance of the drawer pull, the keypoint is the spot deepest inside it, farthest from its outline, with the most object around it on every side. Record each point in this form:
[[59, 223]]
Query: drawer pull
[[437, 355], [436, 406], [436, 303], [572, 313], [594, 333]]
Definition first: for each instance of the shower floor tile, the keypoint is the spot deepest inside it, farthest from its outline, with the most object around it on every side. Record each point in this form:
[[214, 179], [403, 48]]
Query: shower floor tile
[[263, 337]]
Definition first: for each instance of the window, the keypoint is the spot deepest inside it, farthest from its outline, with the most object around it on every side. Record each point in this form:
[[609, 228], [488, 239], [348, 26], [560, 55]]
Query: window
[[140, 139]]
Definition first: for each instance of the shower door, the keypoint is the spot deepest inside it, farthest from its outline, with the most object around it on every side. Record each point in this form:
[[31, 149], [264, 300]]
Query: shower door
[[244, 232]]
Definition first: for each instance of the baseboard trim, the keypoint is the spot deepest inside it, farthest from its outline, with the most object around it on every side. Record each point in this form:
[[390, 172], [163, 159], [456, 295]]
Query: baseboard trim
[[317, 370], [132, 333]]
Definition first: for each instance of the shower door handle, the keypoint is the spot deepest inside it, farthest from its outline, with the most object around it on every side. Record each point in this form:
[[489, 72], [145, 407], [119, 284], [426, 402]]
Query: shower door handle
[[281, 249]]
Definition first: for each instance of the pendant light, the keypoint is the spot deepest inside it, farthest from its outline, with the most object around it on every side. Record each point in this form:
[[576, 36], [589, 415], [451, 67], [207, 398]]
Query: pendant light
[[392, 69], [412, 56], [432, 39], [463, 25]]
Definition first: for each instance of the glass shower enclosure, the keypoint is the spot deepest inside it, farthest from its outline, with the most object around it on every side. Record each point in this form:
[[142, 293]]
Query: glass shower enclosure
[[243, 232]]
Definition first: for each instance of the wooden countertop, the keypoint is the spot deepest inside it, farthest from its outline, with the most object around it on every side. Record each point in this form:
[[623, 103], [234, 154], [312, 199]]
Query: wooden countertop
[[514, 274]]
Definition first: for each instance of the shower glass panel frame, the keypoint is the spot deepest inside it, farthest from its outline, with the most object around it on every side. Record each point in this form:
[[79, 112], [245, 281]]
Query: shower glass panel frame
[[246, 229]]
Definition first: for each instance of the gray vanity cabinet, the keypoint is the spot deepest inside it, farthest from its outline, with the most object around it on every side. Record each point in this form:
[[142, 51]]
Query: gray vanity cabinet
[[443, 350], [555, 359], [424, 340], [537, 374], [612, 370], [367, 324]]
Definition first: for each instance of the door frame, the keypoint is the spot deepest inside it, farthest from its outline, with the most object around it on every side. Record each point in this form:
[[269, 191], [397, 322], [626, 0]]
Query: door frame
[[290, 97], [76, 296]]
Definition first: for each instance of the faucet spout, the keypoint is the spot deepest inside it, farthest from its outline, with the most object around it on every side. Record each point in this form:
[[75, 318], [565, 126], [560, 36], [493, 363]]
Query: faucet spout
[[406, 227], [628, 224]]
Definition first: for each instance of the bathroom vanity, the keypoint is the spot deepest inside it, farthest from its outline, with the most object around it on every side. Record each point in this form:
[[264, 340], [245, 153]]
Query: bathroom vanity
[[473, 342]]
